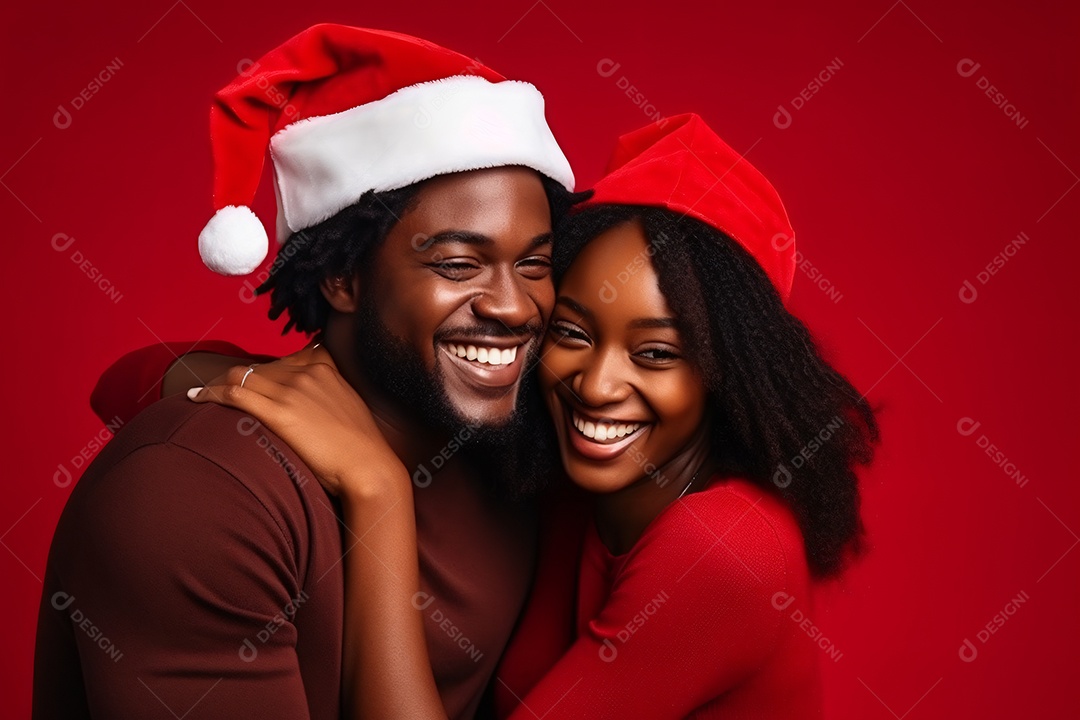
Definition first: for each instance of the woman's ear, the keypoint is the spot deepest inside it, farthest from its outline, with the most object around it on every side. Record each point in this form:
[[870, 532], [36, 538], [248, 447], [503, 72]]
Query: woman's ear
[[342, 292]]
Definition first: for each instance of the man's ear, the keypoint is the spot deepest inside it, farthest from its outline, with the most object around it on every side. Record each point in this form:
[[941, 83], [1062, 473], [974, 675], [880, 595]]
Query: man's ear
[[342, 292]]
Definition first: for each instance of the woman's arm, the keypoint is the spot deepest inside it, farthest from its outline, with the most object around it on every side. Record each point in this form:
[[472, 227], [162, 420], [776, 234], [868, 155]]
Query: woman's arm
[[144, 376], [386, 666], [304, 400]]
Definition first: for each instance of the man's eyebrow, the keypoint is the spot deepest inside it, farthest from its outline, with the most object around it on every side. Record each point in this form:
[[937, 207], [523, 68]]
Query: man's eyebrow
[[464, 237], [539, 240], [467, 237]]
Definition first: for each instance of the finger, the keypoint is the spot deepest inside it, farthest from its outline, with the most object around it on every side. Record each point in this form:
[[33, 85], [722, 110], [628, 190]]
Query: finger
[[277, 371], [245, 377], [233, 376], [241, 398]]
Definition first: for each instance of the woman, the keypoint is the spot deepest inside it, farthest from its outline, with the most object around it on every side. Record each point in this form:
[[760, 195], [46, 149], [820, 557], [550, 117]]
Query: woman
[[684, 396], [717, 446]]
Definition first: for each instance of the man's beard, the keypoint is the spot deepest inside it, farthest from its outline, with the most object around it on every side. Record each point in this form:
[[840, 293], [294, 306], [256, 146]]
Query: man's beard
[[516, 457]]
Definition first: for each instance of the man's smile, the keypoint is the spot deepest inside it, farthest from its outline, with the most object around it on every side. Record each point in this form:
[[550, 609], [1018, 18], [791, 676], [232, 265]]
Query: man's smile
[[486, 365], [482, 354]]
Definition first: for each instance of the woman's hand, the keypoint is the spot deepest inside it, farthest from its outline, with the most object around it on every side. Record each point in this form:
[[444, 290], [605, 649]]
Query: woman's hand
[[305, 401]]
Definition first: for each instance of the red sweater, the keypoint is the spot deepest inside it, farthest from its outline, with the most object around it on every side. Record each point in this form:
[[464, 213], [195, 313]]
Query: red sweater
[[701, 618]]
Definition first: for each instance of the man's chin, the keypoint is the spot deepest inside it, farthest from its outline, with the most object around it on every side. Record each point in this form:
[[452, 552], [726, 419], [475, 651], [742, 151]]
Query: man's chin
[[487, 415]]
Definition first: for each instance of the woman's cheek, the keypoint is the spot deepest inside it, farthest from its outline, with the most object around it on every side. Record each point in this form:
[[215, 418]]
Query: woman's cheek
[[682, 400]]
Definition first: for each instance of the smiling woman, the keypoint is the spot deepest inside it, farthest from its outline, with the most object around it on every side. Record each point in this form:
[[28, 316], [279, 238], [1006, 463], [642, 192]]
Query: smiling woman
[[616, 373], [679, 383]]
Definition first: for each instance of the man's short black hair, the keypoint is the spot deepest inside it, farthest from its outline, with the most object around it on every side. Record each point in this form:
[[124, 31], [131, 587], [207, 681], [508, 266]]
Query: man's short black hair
[[344, 244]]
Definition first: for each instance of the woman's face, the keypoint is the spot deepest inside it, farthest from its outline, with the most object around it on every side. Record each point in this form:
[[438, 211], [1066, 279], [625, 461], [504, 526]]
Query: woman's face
[[624, 397]]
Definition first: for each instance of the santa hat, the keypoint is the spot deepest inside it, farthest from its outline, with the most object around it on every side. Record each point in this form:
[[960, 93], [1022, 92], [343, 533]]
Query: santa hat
[[682, 165], [346, 110]]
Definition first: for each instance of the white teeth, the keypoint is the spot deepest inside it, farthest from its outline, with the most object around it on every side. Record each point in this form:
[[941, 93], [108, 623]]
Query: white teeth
[[486, 355], [603, 431]]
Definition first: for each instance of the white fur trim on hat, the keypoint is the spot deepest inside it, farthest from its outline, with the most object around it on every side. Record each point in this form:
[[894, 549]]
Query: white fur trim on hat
[[234, 242], [324, 164]]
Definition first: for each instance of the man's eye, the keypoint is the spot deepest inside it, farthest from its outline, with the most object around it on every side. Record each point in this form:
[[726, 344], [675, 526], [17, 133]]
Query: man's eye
[[454, 270], [535, 267]]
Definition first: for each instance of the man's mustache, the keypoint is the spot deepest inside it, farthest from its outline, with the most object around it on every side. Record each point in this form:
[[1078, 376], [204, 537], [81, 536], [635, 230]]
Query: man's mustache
[[524, 332]]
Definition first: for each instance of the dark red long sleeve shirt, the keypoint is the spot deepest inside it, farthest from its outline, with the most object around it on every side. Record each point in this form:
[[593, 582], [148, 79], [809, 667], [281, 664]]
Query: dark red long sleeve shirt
[[196, 571]]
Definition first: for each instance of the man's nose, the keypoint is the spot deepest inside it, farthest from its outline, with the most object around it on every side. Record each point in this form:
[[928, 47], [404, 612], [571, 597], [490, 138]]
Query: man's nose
[[506, 300]]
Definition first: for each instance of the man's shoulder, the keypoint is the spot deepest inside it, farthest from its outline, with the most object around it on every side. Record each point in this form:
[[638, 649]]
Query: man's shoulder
[[232, 440], [208, 452], [185, 476]]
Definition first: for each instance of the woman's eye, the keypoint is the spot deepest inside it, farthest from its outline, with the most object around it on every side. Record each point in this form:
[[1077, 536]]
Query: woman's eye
[[567, 331], [658, 355]]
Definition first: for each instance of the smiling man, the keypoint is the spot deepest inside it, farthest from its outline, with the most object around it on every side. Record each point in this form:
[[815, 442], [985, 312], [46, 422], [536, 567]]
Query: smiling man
[[416, 191], [461, 295]]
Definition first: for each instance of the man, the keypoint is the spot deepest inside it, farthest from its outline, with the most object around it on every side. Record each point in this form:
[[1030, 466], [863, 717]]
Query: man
[[197, 566]]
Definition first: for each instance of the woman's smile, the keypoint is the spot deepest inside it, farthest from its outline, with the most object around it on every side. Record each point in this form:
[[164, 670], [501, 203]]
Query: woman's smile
[[601, 439]]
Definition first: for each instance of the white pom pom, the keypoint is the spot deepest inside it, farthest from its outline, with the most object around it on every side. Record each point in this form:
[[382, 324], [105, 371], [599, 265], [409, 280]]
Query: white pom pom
[[234, 242]]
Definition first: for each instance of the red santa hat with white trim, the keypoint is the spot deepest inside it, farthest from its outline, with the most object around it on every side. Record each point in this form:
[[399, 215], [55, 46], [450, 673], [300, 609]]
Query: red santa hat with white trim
[[682, 165], [345, 110]]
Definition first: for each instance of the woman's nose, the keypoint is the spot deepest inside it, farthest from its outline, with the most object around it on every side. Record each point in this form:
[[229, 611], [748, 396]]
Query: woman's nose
[[601, 380]]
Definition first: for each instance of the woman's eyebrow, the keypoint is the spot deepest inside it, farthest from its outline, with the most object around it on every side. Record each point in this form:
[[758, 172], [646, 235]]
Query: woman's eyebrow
[[664, 322], [575, 306]]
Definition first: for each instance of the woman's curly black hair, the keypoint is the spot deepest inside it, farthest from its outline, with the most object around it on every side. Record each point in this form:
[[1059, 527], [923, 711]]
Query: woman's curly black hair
[[781, 416], [343, 245]]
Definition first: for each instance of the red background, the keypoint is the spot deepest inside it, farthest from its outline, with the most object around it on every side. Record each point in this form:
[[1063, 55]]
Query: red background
[[902, 178]]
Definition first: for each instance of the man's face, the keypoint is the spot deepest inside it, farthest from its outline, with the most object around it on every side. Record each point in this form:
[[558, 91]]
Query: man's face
[[460, 292]]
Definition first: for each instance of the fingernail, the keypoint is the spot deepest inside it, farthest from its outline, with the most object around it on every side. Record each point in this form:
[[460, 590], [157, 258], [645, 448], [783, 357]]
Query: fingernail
[[193, 392]]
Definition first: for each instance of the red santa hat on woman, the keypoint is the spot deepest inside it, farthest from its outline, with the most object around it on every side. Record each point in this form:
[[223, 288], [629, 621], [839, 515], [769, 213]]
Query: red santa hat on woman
[[682, 165], [346, 110]]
